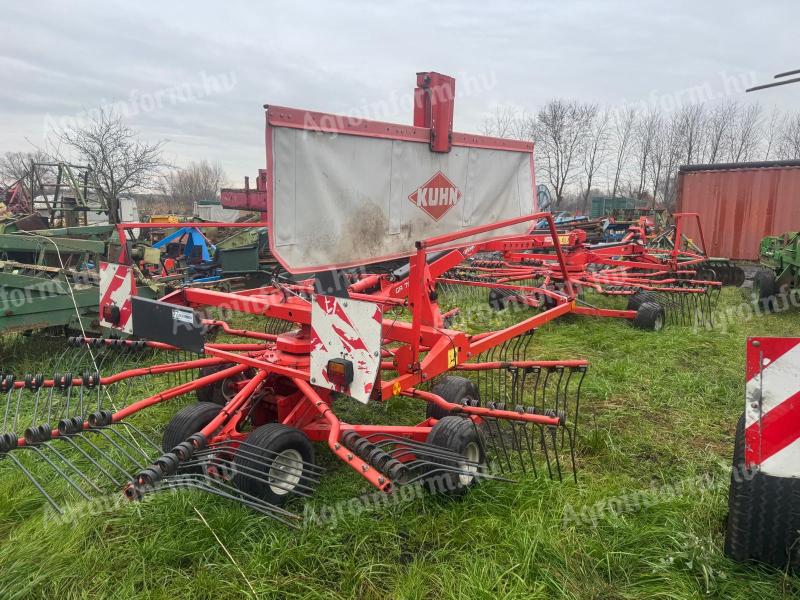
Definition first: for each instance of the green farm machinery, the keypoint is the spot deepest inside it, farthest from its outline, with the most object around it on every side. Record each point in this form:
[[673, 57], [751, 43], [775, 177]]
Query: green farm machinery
[[779, 256], [47, 283]]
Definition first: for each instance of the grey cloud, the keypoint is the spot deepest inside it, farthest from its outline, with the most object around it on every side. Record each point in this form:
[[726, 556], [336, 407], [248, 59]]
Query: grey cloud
[[58, 59]]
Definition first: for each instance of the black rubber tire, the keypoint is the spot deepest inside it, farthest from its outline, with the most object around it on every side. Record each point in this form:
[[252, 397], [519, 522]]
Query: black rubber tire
[[636, 300], [218, 393], [764, 288], [723, 271], [454, 389], [186, 422], [763, 514], [548, 302], [257, 457], [461, 436], [706, 274], [738, 276], [650, 316], [498, 298]]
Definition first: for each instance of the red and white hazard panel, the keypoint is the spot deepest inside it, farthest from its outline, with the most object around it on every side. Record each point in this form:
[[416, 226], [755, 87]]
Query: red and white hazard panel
[[117, 286], [772, 412], [345, 345]]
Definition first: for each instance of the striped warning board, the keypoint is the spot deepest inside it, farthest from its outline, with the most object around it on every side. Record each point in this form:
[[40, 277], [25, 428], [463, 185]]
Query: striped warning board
[[117, 286], [346, 332], [772, 411]]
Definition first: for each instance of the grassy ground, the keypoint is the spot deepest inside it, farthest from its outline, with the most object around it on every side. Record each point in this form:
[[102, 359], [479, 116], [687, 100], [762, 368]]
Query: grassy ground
[[645, 519]]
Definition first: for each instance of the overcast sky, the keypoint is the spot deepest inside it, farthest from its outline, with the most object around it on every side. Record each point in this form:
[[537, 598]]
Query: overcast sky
[[198, 73]]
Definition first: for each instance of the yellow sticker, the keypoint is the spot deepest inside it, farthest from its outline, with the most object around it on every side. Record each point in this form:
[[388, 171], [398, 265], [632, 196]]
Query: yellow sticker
[[563, 240], [396, 388], [452, 358]]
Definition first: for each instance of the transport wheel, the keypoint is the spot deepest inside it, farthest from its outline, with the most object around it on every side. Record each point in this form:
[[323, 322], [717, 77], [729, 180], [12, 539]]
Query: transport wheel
[[498, 298], [707, 274], [738, 276], [454, 389], [763, 514], [649, 316], [219, 392], [764, 288], [186, 422], [274, 463], [636, 300], [723, 271], [460, 436], [548, 302]]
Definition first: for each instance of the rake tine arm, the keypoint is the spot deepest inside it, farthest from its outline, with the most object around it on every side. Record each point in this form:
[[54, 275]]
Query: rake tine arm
[[140, 372], [256, 335], [185, 388], [483, 366], [372, 475], [480, 411]]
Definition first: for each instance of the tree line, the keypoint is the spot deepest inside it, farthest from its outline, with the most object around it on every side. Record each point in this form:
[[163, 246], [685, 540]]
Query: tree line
[[121, 163], [584, 149]]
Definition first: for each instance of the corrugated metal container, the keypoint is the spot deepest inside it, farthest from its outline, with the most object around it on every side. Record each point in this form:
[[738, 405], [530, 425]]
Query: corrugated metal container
[[740, 203]]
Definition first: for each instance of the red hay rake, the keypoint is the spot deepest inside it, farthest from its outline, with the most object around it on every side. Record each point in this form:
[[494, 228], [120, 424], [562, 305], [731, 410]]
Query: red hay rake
[[268, 393], [490, 411], [662, 282]]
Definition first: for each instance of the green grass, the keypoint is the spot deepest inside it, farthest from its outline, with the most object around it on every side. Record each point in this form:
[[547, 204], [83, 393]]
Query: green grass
[[658, 409]]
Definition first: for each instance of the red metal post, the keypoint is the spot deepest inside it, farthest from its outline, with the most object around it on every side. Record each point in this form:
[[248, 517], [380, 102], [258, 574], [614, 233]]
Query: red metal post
[[434, 100]]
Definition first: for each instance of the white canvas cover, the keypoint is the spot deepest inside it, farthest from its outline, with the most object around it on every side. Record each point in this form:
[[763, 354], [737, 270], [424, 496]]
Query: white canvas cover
[[343, 200]]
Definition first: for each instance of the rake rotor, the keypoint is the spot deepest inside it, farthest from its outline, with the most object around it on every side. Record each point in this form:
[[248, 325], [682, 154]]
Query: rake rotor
[[76, 434]]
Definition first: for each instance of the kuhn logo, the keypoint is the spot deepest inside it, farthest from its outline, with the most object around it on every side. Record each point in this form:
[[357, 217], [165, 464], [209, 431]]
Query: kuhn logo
[[436, 196]]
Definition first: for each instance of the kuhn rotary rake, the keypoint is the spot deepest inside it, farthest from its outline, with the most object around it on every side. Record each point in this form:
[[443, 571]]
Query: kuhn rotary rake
[[674, 284], [266, 398]]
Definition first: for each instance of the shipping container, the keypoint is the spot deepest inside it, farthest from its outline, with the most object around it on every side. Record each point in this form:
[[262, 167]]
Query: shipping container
[[740, 203]]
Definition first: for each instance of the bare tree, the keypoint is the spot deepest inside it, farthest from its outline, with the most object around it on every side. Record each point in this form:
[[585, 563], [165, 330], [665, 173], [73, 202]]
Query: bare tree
[[505, 122], [623, 123], [645, 132], [692, 118], [789, 140], [718, 126], [198, 181], [772, 132], [658, 156], [14, 165], [595, 148], [673, 151], [559, 129], [744, 133], [121, 163]]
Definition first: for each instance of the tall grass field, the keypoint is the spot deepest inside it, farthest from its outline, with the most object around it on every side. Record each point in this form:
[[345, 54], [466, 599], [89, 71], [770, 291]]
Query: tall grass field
[[645, 519]]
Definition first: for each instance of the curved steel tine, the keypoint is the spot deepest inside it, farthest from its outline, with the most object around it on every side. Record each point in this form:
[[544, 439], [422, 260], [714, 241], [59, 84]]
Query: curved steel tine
[[136, 430], [543, 445], [134, 461], [71, 465], [552, 432], [35, 482], [254, 474], [106, 456], [129, 441], [58, 470], [253, 502], [87, 456]]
